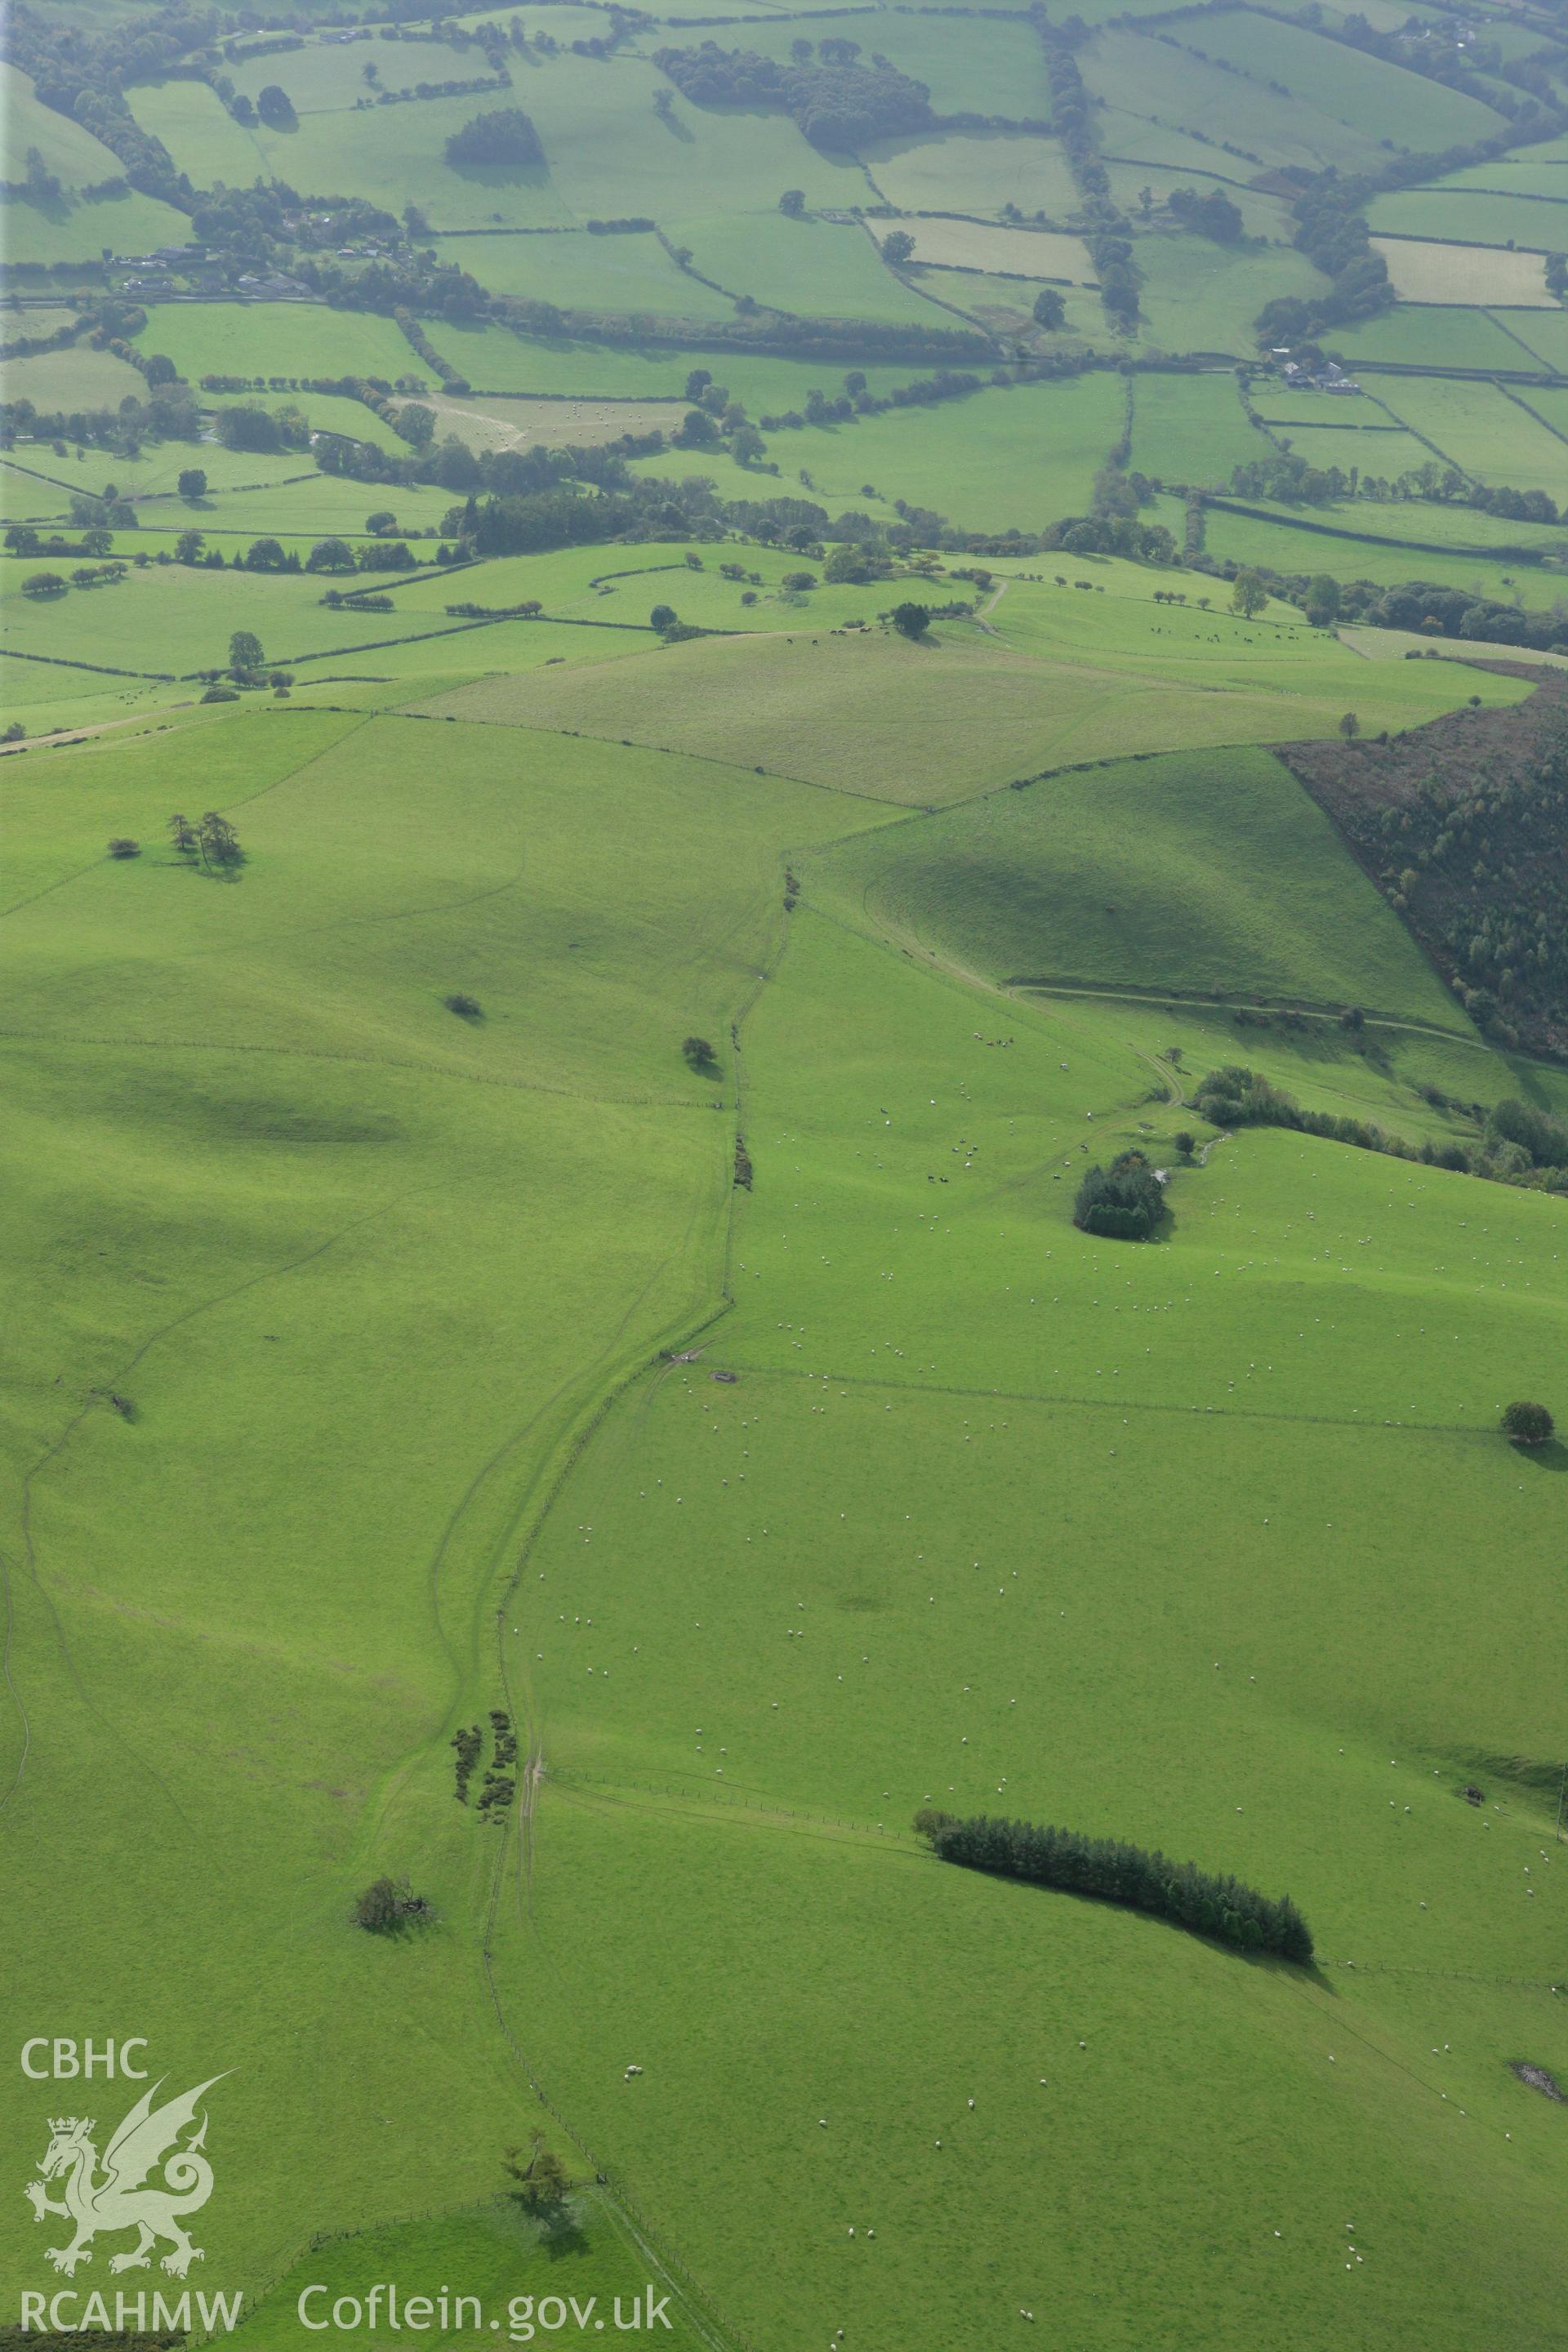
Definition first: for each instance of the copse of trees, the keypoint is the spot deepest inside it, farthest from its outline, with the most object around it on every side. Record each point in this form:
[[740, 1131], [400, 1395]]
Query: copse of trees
[[1225, 1908], [837, 103], [1124, 1203], [506, 135], [1211, 214]]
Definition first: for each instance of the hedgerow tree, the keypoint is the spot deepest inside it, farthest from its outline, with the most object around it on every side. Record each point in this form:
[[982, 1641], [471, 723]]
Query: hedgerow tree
[[1050, 309], [1249, 595], [193, 483], [898, 246], [245, 650], [1527, 1424]]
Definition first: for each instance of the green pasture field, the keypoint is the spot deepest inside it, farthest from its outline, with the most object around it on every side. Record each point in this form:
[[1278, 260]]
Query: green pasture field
[[155, 470], [1201, 296], [1330, 438], [1482, 431], [76, 377], [871, 1576], [585, 273], [813, 268], [1473, 215], [286, 339], [324, 411], [179, 620], [1224, 877], [74, 229], [611, 155], [622, 585], [974, 171], [25, 496], [1528, 171], [1245, 540], [1007, 252], [1418, 338], [1545, 333], [1005, 305], [69, 151], [1025, 455], [1191, 428], [1128, 136], [495, 360], [1263, 215], [1150, 76], [188, 1116], [44, 695], [202, 135], [322, 80], [1463, 528], [317, 504], [1550, 402], [1427, 271], [1002, 72], [385, 152], [1358, 90], [492, 424], [504, 2260], [965, 713]]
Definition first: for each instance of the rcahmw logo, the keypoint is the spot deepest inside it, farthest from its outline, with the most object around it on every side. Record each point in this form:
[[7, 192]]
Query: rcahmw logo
[[152, 2175]]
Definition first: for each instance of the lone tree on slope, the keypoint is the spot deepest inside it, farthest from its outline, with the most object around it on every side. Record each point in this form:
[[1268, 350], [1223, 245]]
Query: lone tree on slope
[[1527, 1424]]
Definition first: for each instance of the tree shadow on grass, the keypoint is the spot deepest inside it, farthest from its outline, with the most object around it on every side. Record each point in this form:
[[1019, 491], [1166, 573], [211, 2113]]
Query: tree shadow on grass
[[1553, 1456]]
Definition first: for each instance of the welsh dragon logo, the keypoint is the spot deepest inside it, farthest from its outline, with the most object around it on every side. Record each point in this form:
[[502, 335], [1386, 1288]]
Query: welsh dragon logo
[[147, 2139]]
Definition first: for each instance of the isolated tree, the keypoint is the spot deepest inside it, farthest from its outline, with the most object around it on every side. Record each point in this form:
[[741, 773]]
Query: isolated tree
[[123, 847], [275, 105], [245, 650], [1185, 1142], [541, 2178], [793, 201], [383, 519], [898, 246], [1350, 727], [910, 620], [1050, 310], [242, 109], [663, 616], [699, 1056], [1249, 595], [388, 1905], [192, 482], [182, 833], [1527, 1424]]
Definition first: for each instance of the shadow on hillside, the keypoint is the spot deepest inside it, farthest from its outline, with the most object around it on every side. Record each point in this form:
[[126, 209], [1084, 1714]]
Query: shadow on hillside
[[1553, 1456]]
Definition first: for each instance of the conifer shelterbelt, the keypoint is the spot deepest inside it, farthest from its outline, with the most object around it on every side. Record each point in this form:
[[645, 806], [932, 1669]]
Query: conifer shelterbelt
[[1221, 1907]]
